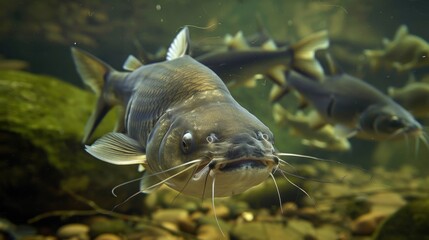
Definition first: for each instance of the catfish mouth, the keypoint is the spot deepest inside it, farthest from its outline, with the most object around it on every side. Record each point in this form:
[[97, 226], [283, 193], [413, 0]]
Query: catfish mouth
[[247, 163]]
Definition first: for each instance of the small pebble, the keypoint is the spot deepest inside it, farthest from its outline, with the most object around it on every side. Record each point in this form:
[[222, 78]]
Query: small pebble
[[289, 209], [73, 230], [108, 236]]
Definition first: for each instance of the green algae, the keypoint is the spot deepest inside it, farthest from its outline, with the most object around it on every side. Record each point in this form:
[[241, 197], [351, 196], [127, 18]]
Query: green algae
[[41, 127]]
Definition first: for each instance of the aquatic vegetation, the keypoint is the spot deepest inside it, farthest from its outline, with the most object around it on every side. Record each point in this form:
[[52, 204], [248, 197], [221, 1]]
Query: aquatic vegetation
[[41, 128]]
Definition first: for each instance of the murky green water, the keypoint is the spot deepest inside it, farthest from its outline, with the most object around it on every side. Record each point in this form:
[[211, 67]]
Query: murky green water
[[46, 171]]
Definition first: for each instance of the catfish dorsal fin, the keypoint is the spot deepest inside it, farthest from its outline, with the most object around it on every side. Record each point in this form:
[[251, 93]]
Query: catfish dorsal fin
[[180, 45], [117, 148], [132, 63]]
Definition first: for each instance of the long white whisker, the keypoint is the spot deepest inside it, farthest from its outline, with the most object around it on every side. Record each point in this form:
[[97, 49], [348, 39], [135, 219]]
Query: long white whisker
[[213, 205], [175, 167], [302, 190], [157, 184], [123, 184], [304, 156], [278, 192], [126, 200], [284, 162], [308, 178], [186, 184], [424, 138], [170, 177], [153, 174]]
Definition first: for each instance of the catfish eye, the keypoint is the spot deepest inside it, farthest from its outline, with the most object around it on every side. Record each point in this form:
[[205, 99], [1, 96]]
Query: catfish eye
[[388, 124], [395, 123], [187, 142]]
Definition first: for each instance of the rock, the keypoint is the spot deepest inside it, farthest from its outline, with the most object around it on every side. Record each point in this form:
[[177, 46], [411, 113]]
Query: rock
[[107, 225], [174, 215], [409, 222], [74, 231], [221, 211], [41, 126], [257, 231], [309, 213], [108, 236], [210, 232], [289, 209], [367, 224]]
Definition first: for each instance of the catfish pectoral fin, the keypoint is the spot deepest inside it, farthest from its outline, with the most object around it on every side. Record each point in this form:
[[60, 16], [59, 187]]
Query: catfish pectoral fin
[[119, 149]]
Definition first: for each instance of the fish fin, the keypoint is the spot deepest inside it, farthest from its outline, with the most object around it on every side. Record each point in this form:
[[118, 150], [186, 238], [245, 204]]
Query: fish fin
[[385, 42], [269, 45], [315, 121], [280, 114], [304, 59], [180, 45], [132, 63], [91, 69], [400, 33], [277, 92], [329, 65], [100, 110], [277, 75], [251, 83], [238, 42], [148, 181], [302, 102], [344, 132], [117, 148], [93, 72]]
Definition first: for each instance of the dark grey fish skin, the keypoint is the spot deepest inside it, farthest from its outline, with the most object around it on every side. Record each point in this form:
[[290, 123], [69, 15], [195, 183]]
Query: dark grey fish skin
[[239, 67], [181, 123], [356, 107]]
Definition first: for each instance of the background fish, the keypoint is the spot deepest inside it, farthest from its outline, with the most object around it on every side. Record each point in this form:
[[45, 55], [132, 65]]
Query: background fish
[[403, 53], [355, 107], [300, 124], [244, 66], [414, 97]]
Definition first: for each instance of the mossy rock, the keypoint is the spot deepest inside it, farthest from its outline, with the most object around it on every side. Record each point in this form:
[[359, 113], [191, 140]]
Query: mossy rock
[[411, 222], [41, 127]]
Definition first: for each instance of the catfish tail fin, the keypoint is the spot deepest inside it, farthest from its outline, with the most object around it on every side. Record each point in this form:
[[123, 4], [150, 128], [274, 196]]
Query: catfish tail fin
[[94, 73], [304, 60]]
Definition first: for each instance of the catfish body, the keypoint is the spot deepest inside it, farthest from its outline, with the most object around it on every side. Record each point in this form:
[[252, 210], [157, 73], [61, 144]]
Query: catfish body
[[180, 123]]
